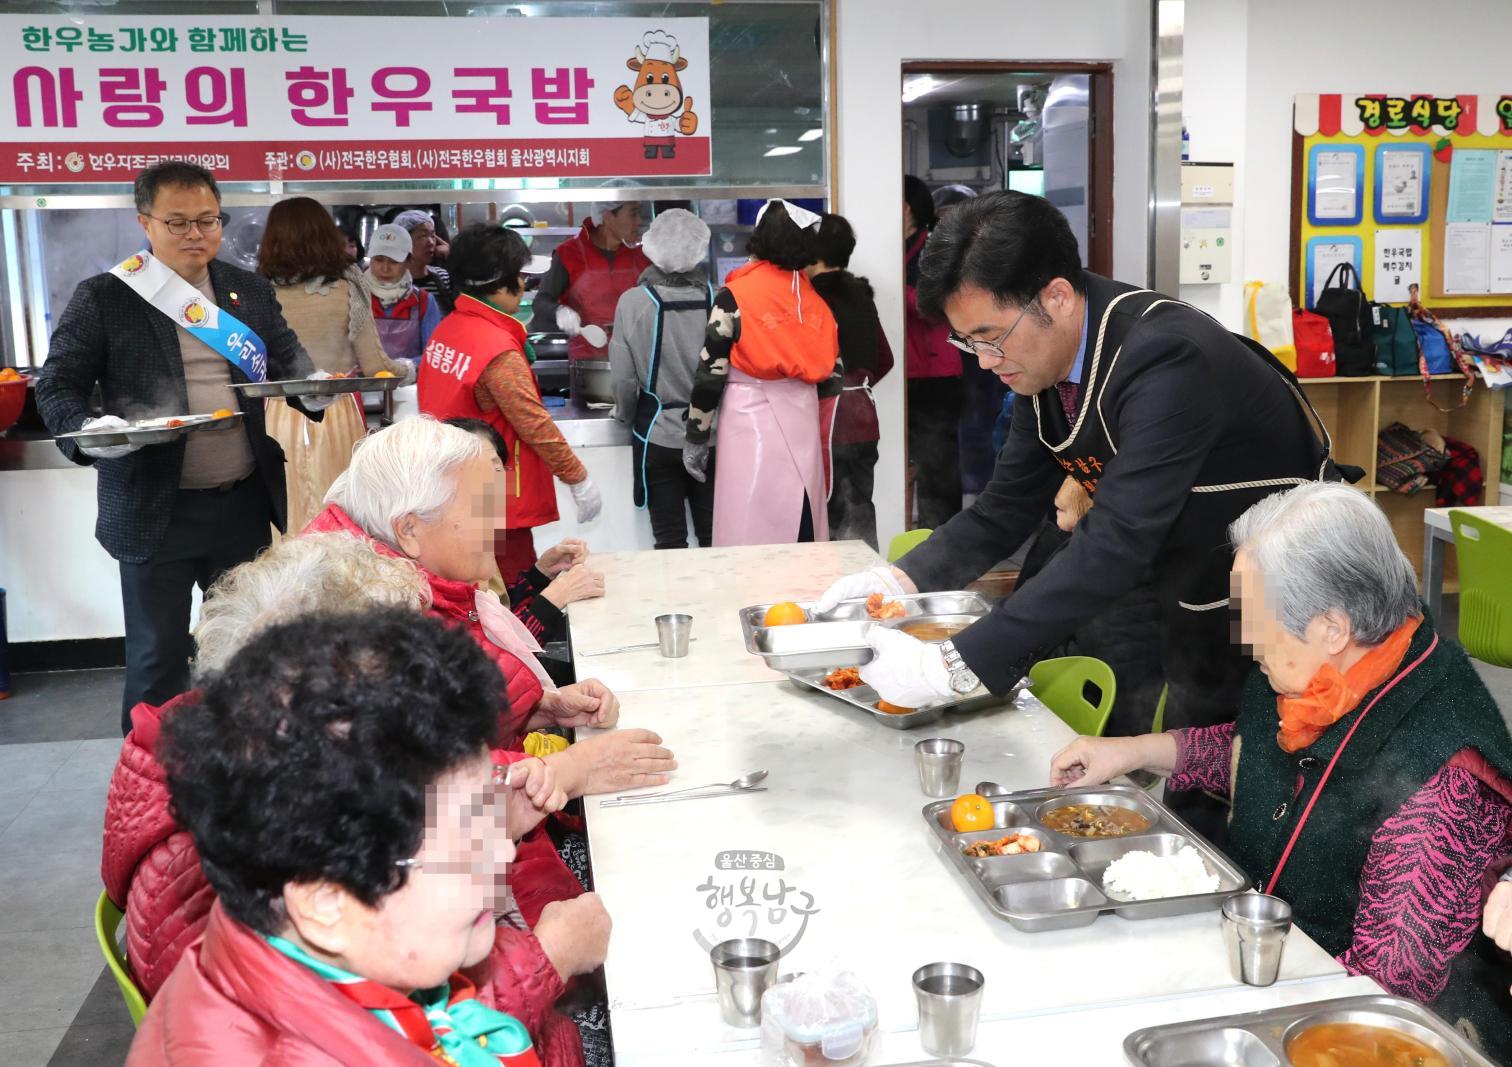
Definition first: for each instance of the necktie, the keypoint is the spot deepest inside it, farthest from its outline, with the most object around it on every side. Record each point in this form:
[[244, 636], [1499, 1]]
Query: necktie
[[1068, 396]]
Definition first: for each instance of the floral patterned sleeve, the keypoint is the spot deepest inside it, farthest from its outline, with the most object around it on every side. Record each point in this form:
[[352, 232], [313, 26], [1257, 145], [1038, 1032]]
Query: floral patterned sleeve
[[1421, 889], [1204, 758]]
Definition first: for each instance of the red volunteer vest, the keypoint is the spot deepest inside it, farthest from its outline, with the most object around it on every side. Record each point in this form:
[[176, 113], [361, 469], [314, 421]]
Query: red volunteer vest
[[596, 284], [463, 344], [775, 343]]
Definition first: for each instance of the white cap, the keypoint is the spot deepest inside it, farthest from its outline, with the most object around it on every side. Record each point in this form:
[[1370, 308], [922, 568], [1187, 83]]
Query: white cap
[[392, 242], [659, 46], [677, 241]]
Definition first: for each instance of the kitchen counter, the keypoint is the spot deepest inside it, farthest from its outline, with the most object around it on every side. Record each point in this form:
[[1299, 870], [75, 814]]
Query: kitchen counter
[[585, 428]]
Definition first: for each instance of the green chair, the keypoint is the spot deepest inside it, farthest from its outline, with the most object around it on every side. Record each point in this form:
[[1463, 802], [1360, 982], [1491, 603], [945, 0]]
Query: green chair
[[905, 543], [107, 919], [1079, 689], [1157, 726], [1485, 572]]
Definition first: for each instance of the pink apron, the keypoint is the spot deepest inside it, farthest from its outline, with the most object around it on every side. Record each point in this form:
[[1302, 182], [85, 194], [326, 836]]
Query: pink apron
[[770, 432]]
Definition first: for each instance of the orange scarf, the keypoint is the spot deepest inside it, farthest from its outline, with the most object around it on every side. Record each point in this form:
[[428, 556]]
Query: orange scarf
[[1330, 695]]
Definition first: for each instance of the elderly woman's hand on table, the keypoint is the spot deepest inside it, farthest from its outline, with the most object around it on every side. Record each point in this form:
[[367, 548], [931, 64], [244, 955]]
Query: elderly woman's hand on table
[[586, 703], [1095, 760], [531, 794], [574, 584], [562, 556], [1498, 918], [574, 934], [613, 761]]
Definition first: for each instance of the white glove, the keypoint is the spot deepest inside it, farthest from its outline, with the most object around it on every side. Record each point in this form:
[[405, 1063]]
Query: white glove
[[568, 321], [318, 403], [101, 425], [411, 371], [904, 670], [588, 500], [882, 578]]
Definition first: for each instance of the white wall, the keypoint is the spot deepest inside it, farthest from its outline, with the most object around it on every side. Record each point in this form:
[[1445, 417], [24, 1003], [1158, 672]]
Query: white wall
[[1245, 61], [875, 38]]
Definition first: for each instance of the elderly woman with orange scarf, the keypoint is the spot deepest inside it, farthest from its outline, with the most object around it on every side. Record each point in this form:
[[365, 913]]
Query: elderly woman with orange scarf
[[1370, 770]]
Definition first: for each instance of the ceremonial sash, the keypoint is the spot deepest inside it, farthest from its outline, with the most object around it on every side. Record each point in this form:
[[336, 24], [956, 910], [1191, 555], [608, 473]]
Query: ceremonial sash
[[225, 334]]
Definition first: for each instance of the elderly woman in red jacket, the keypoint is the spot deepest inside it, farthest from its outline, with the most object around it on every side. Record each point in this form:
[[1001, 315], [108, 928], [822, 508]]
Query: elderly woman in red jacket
[[150, 865], [349, 817]]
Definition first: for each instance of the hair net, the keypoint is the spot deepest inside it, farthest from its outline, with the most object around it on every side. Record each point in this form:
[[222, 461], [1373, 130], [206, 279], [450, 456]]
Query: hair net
[[677, 241], [413, 218]]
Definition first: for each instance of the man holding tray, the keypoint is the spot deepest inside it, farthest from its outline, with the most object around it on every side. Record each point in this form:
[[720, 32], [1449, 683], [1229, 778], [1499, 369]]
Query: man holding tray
[[166, 333], [1173, 426]]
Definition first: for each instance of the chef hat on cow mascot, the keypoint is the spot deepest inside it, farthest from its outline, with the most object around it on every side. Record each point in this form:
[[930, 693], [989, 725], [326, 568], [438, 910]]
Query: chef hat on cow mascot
[[658, 45], [677, 241]]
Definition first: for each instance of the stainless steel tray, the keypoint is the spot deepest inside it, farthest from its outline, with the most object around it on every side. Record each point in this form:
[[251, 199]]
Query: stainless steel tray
[[1261, 1038], [318, 386], [839, 639], [150, 432], [864, 698], [1060, 887]]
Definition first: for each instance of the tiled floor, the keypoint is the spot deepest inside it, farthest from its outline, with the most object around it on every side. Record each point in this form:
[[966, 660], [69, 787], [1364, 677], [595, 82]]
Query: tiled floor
[[58, 742], [59, 738]]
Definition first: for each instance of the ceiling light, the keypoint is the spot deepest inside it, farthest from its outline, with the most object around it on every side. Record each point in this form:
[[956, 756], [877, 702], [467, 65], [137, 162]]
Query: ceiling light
[[914, 88], [784, 150], [811, 135]]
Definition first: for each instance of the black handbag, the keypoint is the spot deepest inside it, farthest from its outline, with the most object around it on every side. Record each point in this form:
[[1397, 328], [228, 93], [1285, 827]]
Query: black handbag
[[1348, 312]]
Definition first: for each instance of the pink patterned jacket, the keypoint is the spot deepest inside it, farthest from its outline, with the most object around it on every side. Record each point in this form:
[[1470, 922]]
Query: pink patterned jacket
[[1427, 874]]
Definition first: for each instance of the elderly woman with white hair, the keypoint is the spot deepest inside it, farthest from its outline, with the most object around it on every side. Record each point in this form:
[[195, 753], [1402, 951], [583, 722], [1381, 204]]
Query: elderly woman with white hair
[[653, 353], [1370, 770], [151, 867], [433, 494]]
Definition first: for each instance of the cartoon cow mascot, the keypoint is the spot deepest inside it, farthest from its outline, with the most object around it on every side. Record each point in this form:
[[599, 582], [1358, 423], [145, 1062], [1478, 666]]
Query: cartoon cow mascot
[[657, 96]]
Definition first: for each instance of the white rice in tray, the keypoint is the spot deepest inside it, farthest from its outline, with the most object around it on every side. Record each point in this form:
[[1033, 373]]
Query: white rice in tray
[[1146, 876]]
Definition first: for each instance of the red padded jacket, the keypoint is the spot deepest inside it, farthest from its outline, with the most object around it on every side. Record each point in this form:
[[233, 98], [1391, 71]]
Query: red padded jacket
[[236, 1001], [151, 869]]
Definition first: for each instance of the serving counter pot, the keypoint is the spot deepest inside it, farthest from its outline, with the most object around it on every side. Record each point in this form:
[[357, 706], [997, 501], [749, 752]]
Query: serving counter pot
[[149, 434], [317, 386], [1060, 886], [1261, 1039]]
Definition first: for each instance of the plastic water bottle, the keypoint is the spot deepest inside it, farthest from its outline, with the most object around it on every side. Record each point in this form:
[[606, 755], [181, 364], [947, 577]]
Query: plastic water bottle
[[1186, 145]]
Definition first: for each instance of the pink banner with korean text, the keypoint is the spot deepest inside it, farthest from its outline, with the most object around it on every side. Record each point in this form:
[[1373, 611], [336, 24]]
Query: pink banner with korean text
[[339, 99]]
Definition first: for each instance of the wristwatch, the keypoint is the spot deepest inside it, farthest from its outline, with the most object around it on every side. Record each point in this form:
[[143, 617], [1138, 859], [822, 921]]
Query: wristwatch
[[962, 678]]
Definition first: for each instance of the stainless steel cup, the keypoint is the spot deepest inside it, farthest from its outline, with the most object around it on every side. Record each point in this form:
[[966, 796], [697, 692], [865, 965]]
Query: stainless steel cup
[[938, 760], [672, 633], [743, 970], [1255, 928], [950, 999]]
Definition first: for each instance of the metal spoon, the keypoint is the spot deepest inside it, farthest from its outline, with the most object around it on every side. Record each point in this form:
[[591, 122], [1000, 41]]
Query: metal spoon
[[739, 785], [626, 648]]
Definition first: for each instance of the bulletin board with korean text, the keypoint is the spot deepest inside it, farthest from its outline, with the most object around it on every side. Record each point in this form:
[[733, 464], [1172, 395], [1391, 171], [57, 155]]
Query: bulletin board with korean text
[[1410, 189]]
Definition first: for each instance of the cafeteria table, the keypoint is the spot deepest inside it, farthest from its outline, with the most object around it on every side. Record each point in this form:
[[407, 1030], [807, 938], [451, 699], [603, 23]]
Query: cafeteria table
[[1437, 535], [833, 860]]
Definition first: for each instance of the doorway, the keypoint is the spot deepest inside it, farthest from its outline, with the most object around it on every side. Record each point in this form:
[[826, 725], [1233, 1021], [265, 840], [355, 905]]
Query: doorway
[[968, 129]]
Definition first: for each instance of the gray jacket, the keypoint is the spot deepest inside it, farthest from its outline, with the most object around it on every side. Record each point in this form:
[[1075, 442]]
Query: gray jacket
[[682, 340]]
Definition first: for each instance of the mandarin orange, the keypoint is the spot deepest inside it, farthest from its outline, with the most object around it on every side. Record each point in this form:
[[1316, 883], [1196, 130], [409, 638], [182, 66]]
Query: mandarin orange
[[971, 812], [784, 614]]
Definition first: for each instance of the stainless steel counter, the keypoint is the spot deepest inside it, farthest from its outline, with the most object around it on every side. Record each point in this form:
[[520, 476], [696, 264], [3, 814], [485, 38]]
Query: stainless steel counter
[[590, 429]]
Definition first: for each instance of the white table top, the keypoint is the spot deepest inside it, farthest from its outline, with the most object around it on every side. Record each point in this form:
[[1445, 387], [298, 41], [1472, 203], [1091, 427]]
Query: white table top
[[1438, 518], [1087, 1038], [843, 812], [712, 585]]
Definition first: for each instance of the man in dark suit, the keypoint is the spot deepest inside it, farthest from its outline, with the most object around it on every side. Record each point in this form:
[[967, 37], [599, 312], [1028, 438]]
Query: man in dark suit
[[174, 515], [1172, 424]]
